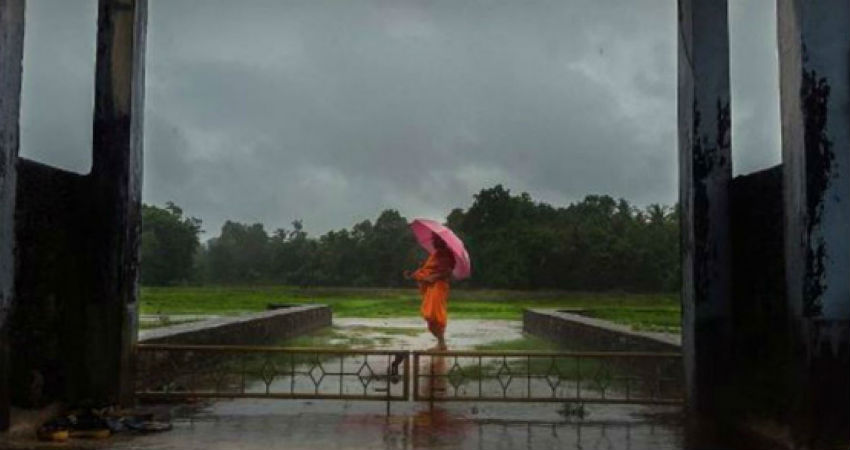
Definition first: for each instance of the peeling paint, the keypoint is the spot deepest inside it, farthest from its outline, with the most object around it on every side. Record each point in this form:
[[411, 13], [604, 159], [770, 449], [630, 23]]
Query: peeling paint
[[819, 159], [827, 339], [708, 157], [724, 127], [702, 166]]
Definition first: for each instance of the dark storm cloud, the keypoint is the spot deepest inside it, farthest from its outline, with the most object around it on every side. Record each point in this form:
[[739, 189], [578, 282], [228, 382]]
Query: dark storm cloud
[[331, 111]]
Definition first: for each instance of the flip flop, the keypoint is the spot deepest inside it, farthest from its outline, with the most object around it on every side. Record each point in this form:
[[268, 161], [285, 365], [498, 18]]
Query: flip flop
[[144, 424], [88, 424], [56, 430]]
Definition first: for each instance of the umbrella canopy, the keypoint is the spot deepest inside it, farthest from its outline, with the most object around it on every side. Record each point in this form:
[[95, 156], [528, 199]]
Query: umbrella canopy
[[424, 228]]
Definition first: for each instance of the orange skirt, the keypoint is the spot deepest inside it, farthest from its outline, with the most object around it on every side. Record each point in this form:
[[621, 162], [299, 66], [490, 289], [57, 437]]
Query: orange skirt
[[435, 298]]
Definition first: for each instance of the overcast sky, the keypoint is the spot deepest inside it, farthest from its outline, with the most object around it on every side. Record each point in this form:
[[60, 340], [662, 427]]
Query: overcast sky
[[333, 110]]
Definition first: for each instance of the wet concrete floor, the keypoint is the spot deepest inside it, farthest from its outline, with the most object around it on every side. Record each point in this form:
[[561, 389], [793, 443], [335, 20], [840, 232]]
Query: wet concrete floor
[[411, 334], [337, 424], [265, 424]]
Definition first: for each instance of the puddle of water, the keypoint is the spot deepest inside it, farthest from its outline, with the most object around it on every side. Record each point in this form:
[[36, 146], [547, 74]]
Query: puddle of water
[[410, 334], [336, 424], [360, 425]]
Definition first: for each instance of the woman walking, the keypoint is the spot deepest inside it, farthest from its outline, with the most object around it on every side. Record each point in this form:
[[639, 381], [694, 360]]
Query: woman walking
[[433, 278], [447, 260]]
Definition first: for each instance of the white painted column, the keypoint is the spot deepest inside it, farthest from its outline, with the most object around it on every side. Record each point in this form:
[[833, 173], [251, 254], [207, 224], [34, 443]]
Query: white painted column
[[705, 171], [814, 65], [11, 57]]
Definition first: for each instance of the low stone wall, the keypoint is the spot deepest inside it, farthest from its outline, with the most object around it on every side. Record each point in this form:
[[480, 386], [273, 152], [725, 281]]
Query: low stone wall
[[589, 334], [250, 329]]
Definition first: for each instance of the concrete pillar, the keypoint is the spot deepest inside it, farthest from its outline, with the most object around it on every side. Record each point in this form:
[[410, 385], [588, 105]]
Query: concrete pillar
[[77, 237], [117, 183], [814, 64], [11, 56], [705, 171]]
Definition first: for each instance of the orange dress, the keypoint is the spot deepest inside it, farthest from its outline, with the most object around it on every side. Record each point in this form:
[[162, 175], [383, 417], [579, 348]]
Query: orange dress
[[435, 295]]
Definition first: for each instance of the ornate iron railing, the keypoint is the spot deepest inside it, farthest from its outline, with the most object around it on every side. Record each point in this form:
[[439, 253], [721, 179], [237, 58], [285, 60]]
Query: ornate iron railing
[[193, 371], [581, 377], [201, 371]]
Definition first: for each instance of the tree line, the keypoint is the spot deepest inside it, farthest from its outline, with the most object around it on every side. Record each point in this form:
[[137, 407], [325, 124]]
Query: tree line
[[598, 243]]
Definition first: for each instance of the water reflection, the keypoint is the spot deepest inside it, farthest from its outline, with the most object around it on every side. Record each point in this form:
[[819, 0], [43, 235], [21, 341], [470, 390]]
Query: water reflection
[[327, 424], [350, 425], [437, 428], [440, 427], [435, 384]]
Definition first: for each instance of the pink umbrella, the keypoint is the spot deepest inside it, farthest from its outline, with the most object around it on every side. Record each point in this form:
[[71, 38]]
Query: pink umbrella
[[424, 228]]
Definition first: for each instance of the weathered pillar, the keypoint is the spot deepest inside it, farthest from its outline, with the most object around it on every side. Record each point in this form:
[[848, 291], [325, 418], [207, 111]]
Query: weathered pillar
[[814, 64], [117, 183], [11, 56], [705, 171]]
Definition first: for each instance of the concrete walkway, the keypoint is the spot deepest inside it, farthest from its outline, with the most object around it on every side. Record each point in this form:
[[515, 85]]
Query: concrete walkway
[[401, 333], [298, 424], [333, 424], [270, 424]]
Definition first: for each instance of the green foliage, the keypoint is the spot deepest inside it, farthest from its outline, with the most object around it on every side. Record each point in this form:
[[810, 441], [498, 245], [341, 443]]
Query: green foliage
[[169, 244], [239, 254], [367, 255], [464, 303], [597, 244]]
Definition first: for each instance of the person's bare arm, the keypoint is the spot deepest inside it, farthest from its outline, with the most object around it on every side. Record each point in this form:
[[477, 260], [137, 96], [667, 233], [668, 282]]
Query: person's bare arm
[[438, 276]]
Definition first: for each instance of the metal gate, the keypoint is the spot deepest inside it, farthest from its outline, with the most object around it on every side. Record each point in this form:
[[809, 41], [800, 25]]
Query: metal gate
[[179, 372], [201, 371], [582, 377]]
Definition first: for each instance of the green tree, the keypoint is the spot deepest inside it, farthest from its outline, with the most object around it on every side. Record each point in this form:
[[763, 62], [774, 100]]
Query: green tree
[[598, 243], [169, 245], [391, 248], [240, 253], [293, 256]]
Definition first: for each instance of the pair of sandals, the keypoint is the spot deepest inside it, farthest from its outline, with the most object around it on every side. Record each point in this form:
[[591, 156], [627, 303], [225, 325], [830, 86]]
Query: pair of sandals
[[77, 425], [89, 424]]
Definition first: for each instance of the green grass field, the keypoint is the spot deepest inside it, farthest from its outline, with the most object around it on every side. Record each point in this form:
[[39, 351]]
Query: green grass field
[[641, 311]]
